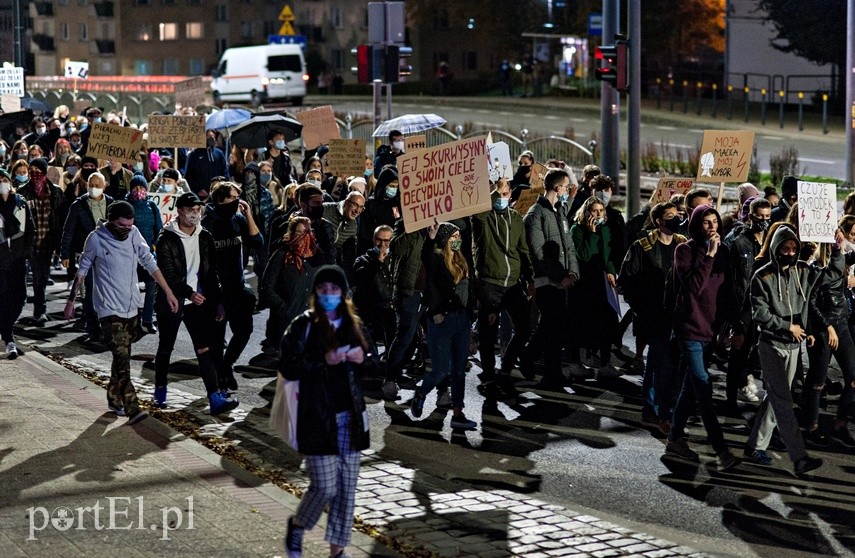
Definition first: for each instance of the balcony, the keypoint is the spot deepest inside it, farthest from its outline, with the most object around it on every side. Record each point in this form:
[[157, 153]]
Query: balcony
[[104, 9], [44, 42], [105, 46]]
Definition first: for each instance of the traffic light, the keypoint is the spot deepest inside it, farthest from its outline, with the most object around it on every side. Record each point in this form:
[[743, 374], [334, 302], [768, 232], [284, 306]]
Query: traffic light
[[375, 62], [612, 68], [368, 63]]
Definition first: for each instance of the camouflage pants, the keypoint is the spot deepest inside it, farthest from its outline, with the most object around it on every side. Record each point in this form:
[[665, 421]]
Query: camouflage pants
[[119, 334]]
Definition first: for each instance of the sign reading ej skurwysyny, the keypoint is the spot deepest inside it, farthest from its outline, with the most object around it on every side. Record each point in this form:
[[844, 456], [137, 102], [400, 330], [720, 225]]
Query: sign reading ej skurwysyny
[[817, 211], [444, 182], [725, 156]]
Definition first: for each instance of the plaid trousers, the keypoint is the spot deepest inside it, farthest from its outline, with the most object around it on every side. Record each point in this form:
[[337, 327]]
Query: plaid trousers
[[332, 480]]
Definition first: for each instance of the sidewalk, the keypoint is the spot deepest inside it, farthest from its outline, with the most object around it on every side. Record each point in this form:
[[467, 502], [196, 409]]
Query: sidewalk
[[61, 453]]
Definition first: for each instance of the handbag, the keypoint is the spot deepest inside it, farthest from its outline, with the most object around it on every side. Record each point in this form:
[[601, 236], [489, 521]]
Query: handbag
[[283, 412]]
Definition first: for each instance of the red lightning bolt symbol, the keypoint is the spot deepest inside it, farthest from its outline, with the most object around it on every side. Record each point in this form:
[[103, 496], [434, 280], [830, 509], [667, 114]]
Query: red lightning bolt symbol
[[828, 216], [741, 164], [803, 213]]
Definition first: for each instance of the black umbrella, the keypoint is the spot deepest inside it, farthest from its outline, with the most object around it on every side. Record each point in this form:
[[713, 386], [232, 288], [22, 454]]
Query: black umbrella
[[35, 105], [255, 131]]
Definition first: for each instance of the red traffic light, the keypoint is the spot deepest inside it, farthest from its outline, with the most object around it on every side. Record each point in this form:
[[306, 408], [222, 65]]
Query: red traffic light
[[613, 63]]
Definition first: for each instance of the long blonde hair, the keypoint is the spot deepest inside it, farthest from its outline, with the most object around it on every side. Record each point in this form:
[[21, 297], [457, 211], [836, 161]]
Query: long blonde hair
[[455, 263]]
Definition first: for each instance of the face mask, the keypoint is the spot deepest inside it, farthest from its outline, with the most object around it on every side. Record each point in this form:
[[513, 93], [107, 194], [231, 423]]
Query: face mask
[[391, 192], [167, 187], [368, 173], [86, 173], [227, 210], [210, 142], [315, 183], [265, 178], [5, 188], [139, 166], [95, 193], [500, 204], [21, 178], [399, 145], [455, 244], [599, 222], [41, 131], [759, 226], [672, 224], [192, 219], [329, 302], [97, 119], [71, 130], [604, 196], [261, 151], [563, 197], [786, 261], [119, 233], [279, 144], [83, 127], [71, 169], [2, 150], [138, 194], [75, 145], [316, 212]]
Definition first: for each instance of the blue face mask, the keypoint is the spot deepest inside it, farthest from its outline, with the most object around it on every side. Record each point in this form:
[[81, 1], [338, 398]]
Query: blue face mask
[[98, 119], [265, 178], [563, 197], [280, 144], [500, 204], [21, 178], [391, 192], [368, 172], [329, 302]]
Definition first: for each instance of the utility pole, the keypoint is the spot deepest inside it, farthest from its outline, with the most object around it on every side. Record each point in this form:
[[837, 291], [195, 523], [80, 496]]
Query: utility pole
[[850, 92], [610, 104], [633, 140], [18, 57]]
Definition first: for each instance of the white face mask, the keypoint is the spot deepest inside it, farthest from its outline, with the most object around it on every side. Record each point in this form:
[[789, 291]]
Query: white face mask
[[315, 182], [95, 192], [167, 187], [604, 196], [192, 219], [399, 145], [5, 188]]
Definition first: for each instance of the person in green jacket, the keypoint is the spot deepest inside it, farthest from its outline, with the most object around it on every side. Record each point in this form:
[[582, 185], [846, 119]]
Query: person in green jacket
[[504, 279]]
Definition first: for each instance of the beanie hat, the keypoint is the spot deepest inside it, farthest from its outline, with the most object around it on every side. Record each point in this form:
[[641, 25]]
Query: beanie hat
[[171, 173], [444, 232], [138, 180], [88, 159], [745, 191], [746, 208], [40, 163], [789, 186], [331, 274], [120, 209]]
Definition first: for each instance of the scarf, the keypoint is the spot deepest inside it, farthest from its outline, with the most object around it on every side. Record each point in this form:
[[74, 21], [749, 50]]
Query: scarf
[[39, 182], [300, 249]]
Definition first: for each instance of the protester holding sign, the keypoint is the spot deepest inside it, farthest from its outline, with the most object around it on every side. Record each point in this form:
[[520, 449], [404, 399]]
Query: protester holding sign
[[17, 233], [148, 221]]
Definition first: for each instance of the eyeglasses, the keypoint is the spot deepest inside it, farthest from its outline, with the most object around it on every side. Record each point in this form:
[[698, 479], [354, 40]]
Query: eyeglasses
[[383, 240], [359, 207]]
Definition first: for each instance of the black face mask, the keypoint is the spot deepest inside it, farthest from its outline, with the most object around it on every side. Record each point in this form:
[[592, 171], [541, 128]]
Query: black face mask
[[759, 226], [672, 224], [210, 142], [316, 212], [785, 261], [118, 233], [227, 210], [86, 173]]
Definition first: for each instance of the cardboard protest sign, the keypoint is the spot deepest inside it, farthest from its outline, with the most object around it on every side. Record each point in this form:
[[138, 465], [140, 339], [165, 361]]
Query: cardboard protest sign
[[166, 204], [499, 161], [10, 103], [108, 141], [77, 70], [725, 156], [176, 131], [528, 198], [817, 211], [668, 186], [319, 126], [538, 171], [191, 92], [443, 183], [346, 156], [411, 143], [12, 81]]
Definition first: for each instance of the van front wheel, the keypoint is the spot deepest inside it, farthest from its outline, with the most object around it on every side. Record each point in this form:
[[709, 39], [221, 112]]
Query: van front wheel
[[256, 99]]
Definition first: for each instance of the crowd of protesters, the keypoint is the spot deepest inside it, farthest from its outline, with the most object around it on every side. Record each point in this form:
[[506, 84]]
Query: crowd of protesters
[[536, 288]]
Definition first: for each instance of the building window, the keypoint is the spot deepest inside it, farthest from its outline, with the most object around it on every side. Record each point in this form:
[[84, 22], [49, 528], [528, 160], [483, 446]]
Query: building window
[[143, 32], [63, 31], [335, 17], [194, 30], [141, 2], [470, 61], [270, 28], [84, 32], [170, 66], [168, 31], [246, 30], [222, 45], [337, 59], [365, 19], [222, 14], [142, 67], [196, 66]]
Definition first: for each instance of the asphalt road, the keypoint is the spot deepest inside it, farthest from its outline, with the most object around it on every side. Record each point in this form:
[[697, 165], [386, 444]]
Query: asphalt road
[[583, 449]]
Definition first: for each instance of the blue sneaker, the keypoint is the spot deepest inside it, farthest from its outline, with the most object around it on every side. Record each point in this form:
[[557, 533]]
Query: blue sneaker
[[759, 457], [117, 409], [293, 541], [220, 403], [160, 397]]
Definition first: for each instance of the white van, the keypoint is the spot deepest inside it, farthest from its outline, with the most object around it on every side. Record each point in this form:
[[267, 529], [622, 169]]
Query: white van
[[261, 73]]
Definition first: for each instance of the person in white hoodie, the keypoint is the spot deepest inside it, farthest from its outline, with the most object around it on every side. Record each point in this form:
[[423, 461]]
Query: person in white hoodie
[[187, 255], [112, 252]]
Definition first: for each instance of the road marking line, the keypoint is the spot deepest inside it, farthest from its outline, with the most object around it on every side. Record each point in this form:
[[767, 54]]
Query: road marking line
[[551, 117], [773, 138], [817, 161], [579, 119], [666, 127]]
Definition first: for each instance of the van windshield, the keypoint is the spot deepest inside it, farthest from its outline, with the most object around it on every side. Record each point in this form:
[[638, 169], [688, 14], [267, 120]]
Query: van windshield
[[284, 63]]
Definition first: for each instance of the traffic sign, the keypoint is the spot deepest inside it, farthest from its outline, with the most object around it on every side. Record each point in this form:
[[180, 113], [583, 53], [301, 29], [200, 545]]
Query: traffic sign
[[286, 16], [595, 25], [287, 40]]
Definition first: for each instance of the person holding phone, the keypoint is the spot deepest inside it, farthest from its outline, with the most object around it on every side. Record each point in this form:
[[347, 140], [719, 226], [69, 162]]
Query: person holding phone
[[325, 348]]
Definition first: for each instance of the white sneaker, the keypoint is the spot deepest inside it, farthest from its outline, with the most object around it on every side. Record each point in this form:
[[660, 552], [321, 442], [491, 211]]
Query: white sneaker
[[11, 350], [745, 394], [752, 384]]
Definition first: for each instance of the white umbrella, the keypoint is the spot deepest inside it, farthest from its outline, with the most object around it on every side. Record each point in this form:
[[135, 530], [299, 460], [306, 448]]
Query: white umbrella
[[409, 124]]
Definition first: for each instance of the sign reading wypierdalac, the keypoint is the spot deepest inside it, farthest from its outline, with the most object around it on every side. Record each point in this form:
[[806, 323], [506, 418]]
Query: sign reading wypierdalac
[[108, 141], [725, 156], [817, 211], [444, 182]]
